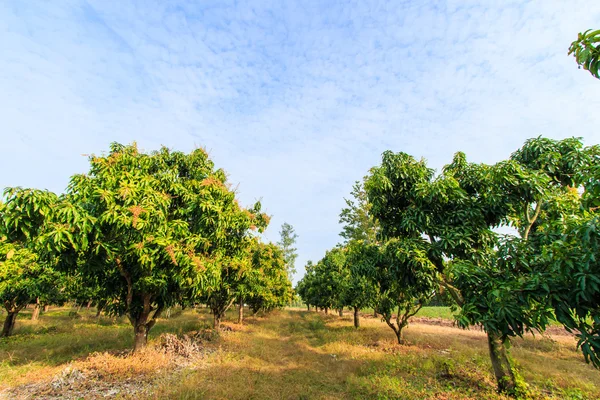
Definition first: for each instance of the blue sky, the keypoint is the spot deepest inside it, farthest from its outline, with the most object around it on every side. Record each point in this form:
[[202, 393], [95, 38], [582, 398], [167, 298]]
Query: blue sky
[[295, 99]]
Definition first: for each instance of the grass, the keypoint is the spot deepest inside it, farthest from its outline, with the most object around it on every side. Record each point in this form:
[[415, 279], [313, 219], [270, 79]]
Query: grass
[[436, 312], [294, 354]]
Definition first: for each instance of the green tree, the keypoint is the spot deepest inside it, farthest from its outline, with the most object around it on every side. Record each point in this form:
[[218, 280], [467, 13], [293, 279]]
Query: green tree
[[25, 276], [359, 291], [563, 239], [458, 211], [586, 50], [151, 228], [402, 276], [305, 288], [358, 223], [287, 243], [269, 286]]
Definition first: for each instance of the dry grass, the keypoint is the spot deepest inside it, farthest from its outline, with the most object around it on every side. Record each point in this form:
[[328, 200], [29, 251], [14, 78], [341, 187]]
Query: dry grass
[[294, 354]]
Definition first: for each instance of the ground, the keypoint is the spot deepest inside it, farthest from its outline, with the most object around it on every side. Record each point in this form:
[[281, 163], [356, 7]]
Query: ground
[[289, 354]]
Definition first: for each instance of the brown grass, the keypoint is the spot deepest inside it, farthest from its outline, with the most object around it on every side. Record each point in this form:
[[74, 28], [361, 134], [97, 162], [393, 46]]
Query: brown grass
[[295, 354]]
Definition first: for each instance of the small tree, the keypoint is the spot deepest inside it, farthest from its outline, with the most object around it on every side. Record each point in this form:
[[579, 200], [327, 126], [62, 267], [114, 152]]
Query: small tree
[[270, 287], [402, 275], [24, 275], [287, 242], [360, 291]]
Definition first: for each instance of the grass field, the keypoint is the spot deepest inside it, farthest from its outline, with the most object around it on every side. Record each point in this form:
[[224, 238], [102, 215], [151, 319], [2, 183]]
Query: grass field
[[292, 354]]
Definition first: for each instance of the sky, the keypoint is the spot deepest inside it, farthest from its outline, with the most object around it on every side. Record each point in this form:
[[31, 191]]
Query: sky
[[296, 100]]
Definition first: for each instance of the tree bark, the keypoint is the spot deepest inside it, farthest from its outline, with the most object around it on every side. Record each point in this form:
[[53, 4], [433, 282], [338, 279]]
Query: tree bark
[[9, 324], [374, 313], [326, 311], [216, 320], [308, 307], [88, 305], [501, 364], [341, 312], [35, 315], [36, 310], [46, 307], [141, 333], [356, 318], [98, 310], [241, 312]]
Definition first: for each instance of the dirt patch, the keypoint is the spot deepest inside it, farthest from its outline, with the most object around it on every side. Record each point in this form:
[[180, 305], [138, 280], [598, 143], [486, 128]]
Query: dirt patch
[[550, 330], [121, 374]]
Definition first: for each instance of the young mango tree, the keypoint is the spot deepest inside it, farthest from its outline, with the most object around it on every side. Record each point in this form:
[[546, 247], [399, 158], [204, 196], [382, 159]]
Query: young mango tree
[[148, 227], [402, 276], [25, 276], [331, 275], [306, 287], [270, 287], [234, 258], [360, 291]]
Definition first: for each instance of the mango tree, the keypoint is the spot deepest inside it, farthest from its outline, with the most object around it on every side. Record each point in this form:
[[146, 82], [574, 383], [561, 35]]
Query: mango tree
[[270, 287], [25, 276], [563, 237], [457, 212], [359, 291], [402, 276], [148, 227], [306, 288], [330, 279]]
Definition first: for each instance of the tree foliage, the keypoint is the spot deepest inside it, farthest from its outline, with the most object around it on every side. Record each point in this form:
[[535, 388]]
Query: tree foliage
[[586, 50], [269, 287], [358, 223], [287, 243], [25, 274], [154, 229]]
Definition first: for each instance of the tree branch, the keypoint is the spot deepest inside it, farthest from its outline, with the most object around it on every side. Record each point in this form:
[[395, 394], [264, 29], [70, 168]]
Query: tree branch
[[531, 220]]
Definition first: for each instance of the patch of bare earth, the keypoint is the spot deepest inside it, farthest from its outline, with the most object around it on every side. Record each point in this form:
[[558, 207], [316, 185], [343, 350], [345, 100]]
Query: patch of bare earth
[[121, 374], [550, 330]]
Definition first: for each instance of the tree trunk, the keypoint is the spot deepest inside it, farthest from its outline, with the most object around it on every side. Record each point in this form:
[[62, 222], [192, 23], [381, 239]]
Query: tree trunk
[[36, 312], [326, 310], [308, 307], [98, 310], [141, 332], [216, 320], [356, 318], [374, 313], [501, 364], [341, 312], [46, 307], [241, 312], [399, 335], [88, 305], [9, 324]]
